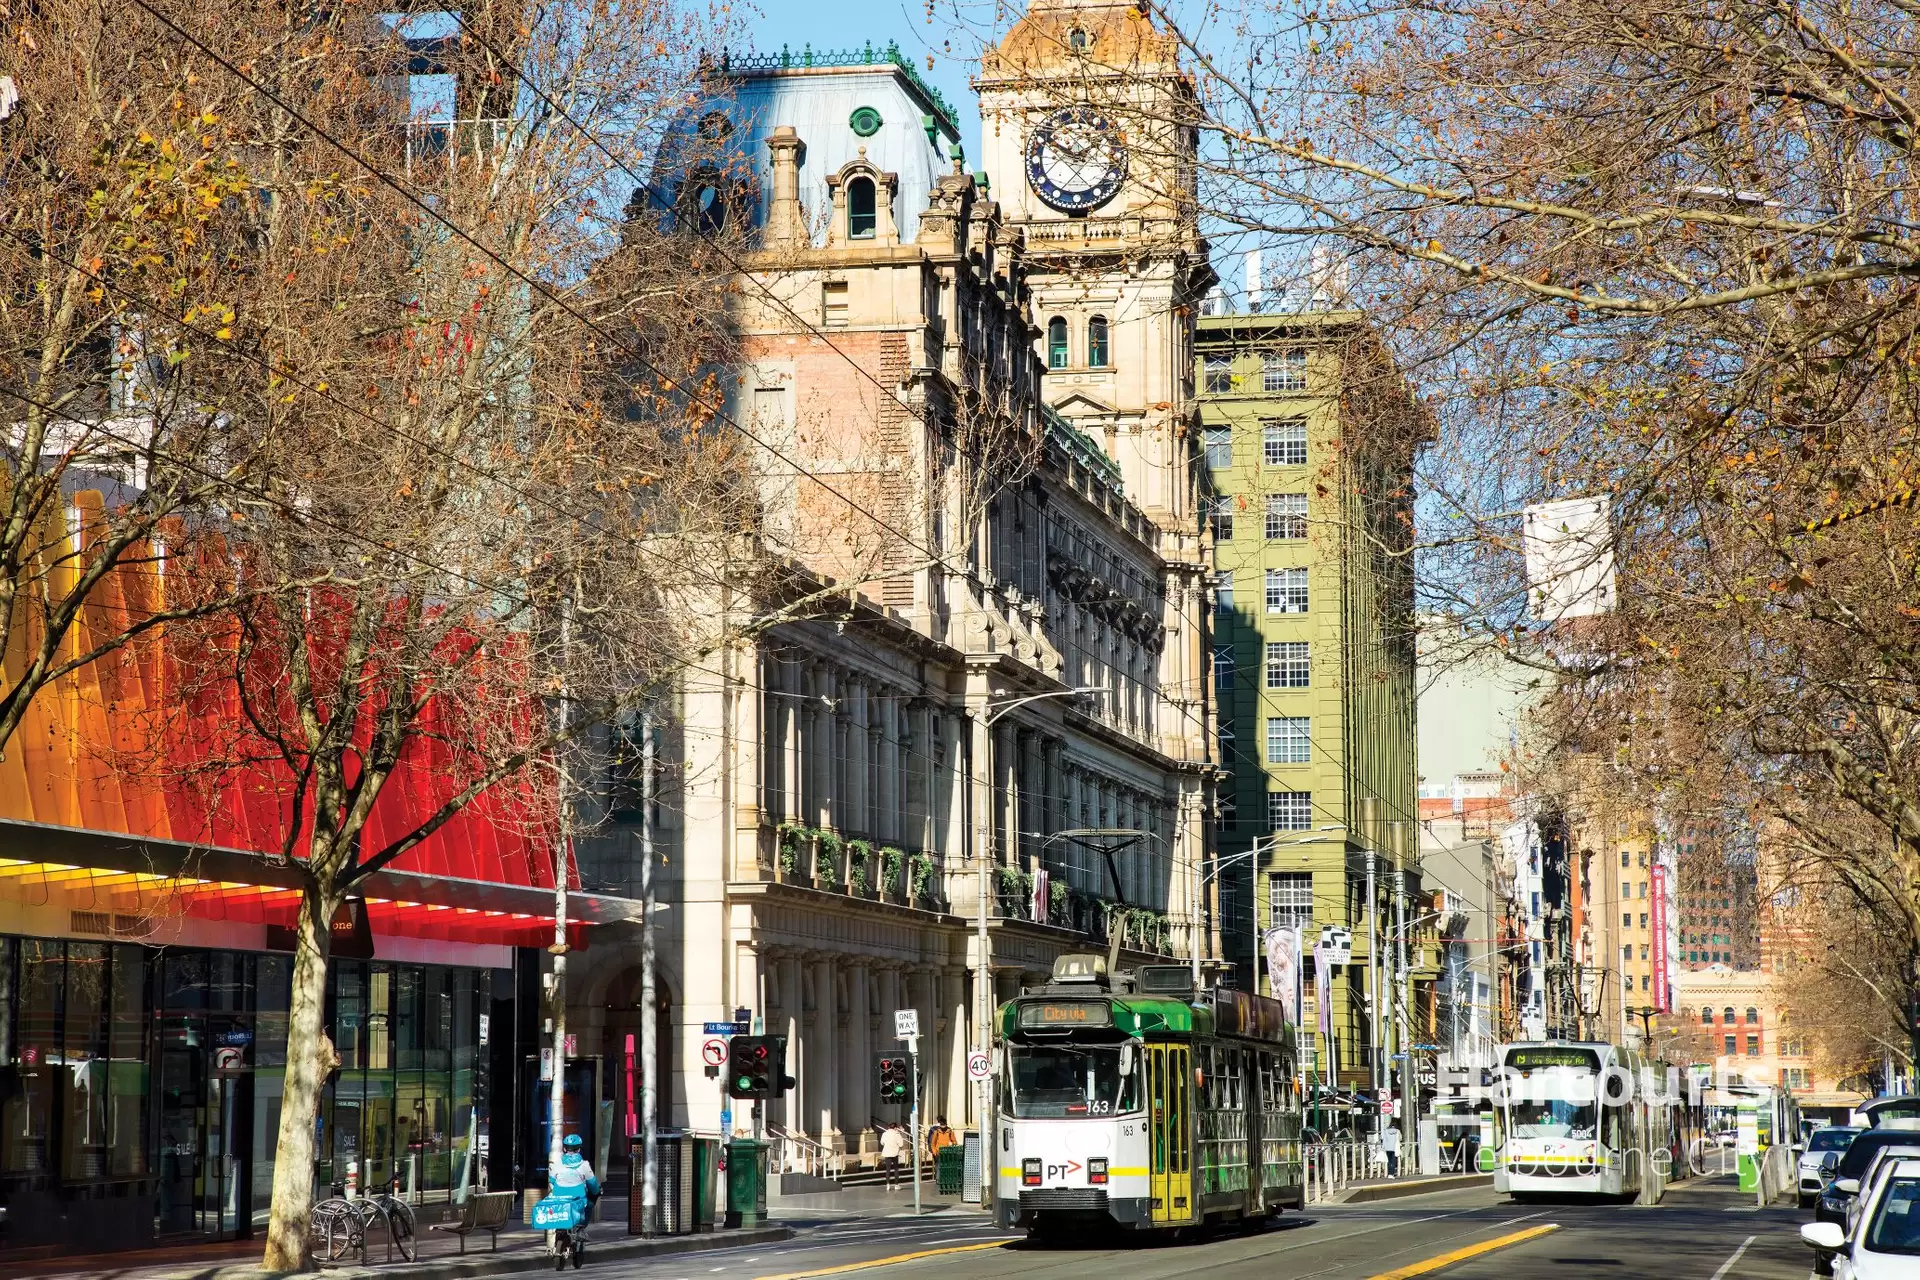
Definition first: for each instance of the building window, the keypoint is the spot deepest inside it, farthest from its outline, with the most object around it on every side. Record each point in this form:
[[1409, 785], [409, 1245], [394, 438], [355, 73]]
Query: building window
[[1287, 665], [1219, 446], [1731, 1049], [1288, 741], [1753, 1016], [863, 216], [1223, 668], [1220, 510], [1097, 342], [1284, 371], [1283, 442], [1643, 888], [1057, 343], [1626, 954], [1645, 982], [1726, 1015], [1706, 1017], [1626, 921], [833, 302], [1626, 859], [1077, 39], [1290, 899], [1224, 732], [1219, 371], [1643, 919], [1286, 591], [1289, 810], [1643, 953], [1223, 593], [1286, 515], [1753, 1045]]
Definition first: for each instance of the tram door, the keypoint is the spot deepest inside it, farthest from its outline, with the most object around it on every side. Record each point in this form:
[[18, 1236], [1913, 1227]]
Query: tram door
[[1170, 1079]]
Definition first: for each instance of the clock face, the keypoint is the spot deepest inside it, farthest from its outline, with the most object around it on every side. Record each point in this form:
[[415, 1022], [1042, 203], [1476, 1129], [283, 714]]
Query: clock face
[[1075, 160]]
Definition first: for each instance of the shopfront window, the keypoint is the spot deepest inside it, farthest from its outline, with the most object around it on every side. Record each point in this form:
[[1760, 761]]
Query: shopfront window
[[29, 1113]]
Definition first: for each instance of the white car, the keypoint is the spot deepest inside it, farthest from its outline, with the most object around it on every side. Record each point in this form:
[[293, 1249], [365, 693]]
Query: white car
[[1823, 1150], [1885, 1241]]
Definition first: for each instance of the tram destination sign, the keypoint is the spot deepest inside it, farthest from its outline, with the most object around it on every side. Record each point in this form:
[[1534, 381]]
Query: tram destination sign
[[1058, 1015], [1538, 1058]]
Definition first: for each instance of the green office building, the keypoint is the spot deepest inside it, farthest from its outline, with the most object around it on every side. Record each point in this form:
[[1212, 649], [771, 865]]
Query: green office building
[[1309, 437]]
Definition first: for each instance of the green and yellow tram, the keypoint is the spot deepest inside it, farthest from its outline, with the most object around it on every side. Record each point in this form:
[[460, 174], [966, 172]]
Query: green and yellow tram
[[1138, 1103]]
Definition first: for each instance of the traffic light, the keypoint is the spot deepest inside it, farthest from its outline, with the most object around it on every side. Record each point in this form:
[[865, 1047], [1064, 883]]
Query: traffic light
[[757, 1067], [895, 1075]]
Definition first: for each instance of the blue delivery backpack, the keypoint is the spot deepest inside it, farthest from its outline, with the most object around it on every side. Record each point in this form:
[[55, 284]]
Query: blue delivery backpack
[[560, 1213]]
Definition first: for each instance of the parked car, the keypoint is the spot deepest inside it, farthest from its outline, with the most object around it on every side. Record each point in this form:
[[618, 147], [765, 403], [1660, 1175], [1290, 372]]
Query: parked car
[[1822, 1152], [1885, 1243], [1837, 1196], [1874, 1114]]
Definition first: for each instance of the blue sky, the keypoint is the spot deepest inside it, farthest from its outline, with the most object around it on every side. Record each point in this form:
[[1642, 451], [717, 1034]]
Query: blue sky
[[850, 26]]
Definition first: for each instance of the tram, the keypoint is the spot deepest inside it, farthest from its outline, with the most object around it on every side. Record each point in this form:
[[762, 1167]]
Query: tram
[[1140, 1103], [1578, 1118]]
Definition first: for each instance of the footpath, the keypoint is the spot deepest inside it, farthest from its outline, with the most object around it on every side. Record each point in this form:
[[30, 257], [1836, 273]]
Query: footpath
[[521, 1249]]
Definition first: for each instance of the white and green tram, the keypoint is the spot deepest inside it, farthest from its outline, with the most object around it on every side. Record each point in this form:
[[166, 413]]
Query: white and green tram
[[1576, 1118]]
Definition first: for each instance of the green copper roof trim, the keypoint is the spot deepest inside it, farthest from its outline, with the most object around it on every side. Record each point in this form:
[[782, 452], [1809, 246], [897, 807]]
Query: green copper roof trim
[[866, 56]]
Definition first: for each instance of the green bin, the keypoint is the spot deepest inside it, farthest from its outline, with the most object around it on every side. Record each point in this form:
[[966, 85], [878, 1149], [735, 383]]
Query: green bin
[[706, 1182], [746, 1183], [949, 1169]]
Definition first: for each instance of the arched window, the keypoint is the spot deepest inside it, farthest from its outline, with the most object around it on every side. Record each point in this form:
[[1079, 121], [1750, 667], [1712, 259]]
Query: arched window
[[710, 209], [1097, 342], [1057, 343], [1706, 1017], [1077, 39], [1753, 1016], [1726, 1015], [863, 218]]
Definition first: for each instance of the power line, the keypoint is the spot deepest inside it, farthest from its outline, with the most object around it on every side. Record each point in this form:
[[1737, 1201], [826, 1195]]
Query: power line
[[718, 411]]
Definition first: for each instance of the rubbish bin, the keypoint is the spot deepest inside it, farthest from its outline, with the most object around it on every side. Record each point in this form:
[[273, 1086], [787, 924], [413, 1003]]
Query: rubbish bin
[[706, 1182], [949, 1168], [674, 1186], [746, 1183]]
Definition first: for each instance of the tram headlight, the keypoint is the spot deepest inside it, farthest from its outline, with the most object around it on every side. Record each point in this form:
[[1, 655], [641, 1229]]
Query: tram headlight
[[1030, 1173], [1097, 1172]]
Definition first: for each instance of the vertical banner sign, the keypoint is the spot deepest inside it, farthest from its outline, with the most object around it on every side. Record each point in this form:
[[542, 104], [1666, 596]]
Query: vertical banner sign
[[1323, 992], [1041, 895], [1283, 969], [1662, 992]]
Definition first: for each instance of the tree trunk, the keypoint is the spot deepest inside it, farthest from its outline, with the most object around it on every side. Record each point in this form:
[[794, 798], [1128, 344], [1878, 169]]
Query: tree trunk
[[310, 1058]]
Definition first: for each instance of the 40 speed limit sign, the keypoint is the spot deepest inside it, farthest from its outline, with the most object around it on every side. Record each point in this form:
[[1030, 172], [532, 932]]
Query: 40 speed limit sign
[[979, 1065]]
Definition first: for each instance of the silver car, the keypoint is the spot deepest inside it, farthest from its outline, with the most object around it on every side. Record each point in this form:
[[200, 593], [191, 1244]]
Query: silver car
[[1818, 1158]]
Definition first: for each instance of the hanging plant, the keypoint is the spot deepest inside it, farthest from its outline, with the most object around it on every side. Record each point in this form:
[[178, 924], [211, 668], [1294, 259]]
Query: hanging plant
[[790, 837], [922, 872], [858, 854], [1057, 903], [893, 861]]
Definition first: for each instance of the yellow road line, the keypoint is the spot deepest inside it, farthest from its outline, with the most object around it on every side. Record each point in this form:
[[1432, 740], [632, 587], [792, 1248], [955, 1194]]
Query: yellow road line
[[1461, 1255], [887, 1262]]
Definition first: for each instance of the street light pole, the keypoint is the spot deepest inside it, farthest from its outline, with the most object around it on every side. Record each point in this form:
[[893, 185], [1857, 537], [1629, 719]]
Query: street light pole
[[981, 716]]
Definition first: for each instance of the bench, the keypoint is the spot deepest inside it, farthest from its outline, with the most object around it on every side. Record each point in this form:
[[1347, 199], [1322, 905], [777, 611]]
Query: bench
[[486, 1211]]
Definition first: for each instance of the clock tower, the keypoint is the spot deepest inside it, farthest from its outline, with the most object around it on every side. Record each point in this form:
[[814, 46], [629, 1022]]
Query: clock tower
[[1089, 127]]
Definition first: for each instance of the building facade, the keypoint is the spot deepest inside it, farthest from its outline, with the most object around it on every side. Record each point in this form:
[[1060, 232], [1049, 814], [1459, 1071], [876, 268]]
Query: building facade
[[994, 748], [1313, 656]]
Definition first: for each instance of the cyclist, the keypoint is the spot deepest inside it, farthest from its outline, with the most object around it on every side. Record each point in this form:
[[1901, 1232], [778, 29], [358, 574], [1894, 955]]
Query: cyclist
[[572, 1176]]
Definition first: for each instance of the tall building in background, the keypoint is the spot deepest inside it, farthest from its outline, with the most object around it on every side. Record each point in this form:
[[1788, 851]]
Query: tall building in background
[[1308, 448]]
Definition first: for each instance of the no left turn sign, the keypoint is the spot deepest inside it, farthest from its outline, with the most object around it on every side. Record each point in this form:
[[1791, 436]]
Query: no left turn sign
[[713, 1052]]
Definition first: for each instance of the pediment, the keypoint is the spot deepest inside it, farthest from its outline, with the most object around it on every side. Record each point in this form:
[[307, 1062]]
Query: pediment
[[1079, 403]]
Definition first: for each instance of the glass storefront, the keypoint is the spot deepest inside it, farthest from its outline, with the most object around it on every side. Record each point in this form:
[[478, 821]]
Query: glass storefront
[[140, 1087]]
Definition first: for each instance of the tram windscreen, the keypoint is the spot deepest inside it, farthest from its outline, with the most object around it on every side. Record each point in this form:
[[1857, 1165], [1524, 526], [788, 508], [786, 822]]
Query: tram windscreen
[[1552, 1118], [1055, 1081]]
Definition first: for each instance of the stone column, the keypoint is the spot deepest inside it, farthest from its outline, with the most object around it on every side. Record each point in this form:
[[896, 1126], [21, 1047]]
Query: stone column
[[819, 749], [957, 1010], [856, 808], [823, 1042], [856, 1075], [886, 1000], [1003, 798], [793, 1013], [893, 742]]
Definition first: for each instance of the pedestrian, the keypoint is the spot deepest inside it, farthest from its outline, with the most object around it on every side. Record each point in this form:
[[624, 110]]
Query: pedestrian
[[893, 1145], [1390, 1148], [939, 1138]]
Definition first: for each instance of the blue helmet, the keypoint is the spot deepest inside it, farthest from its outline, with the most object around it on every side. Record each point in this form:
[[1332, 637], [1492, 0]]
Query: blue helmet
[[572, 1142]]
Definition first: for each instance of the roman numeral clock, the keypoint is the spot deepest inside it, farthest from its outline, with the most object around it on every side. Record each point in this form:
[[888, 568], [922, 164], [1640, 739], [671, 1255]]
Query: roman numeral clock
[[1076, 160]]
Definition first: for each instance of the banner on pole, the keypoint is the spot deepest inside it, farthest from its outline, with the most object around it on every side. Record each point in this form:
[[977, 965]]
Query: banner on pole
[[1283, 969], [1323, 989]]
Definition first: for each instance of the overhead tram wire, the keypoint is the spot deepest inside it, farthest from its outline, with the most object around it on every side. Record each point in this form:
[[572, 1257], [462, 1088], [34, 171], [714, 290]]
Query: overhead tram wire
[[152, 308], [385, 179]]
